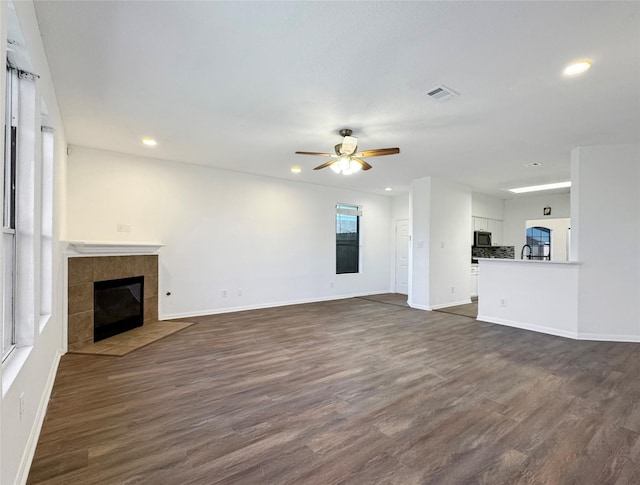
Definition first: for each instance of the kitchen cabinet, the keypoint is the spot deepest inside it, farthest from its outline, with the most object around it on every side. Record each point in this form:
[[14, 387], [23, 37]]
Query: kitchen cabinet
[[474, 280], [494, 226], [480, 224]]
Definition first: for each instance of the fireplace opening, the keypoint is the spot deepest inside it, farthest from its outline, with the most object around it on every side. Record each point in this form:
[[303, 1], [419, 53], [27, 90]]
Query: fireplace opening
[[118, 306]]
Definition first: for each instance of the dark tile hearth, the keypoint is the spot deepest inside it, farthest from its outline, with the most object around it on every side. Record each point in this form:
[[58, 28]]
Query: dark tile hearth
[[126, 342]]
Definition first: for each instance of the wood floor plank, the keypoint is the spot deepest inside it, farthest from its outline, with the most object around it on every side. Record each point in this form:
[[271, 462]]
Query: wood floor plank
[[363, 390]]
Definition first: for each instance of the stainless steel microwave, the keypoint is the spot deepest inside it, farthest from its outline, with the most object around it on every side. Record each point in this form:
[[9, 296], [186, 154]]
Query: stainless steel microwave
[[482, 239]]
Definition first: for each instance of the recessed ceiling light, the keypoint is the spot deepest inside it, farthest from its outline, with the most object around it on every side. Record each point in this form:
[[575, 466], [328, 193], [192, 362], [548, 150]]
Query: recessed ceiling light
[[577, 68], [388, 189], [535, 188], [296, 169], [532, 164], [150, 142]]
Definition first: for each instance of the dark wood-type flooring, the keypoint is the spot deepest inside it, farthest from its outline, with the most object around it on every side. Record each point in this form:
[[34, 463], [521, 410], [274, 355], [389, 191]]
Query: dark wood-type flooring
[[350, 391], [467, 310]]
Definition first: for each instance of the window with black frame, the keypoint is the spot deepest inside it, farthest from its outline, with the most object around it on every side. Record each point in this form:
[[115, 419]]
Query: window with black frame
[[347, 238], [539, 238]]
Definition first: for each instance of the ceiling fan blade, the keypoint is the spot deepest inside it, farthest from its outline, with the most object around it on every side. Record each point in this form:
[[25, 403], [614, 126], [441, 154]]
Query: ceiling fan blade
[[316, 153], [378, 152], [326, 164], [365, 165]]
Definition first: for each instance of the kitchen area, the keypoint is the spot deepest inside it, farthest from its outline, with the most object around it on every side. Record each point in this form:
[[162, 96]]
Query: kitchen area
[[524, 255], [487, 243]]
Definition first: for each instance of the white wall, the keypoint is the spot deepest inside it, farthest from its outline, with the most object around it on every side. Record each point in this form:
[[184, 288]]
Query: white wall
[[419, 228], [441, 238], [30, 370], [400, 207], [519, 210], [487, 206], [450, 242], [265, 241], [605, 237]]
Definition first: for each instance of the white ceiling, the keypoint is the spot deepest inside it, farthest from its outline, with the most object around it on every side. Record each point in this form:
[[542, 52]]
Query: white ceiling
[[243, 85]]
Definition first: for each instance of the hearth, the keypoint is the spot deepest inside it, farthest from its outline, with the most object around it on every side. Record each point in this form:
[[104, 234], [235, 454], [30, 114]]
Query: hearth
[[118, 306]]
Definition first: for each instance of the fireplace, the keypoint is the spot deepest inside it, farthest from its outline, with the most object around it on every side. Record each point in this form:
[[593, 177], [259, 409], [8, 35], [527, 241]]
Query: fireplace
[[85, 271], [118, 306]]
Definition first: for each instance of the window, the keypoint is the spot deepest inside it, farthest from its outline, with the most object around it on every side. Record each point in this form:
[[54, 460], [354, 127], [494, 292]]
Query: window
[[46, 222], [20, 221], [347, 238], [9, 215], [539, 238]]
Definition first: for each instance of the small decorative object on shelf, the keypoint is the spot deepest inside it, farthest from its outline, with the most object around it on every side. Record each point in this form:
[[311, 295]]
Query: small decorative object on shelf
[[546, 211]]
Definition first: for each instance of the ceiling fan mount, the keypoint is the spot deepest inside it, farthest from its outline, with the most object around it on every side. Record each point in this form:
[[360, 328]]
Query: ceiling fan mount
[[348, 159]]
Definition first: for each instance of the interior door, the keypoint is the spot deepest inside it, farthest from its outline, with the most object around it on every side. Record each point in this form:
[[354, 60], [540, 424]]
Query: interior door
[[402, 257]]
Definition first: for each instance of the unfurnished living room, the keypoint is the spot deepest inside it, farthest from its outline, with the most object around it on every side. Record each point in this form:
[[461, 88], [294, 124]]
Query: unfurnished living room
[[269, 242]]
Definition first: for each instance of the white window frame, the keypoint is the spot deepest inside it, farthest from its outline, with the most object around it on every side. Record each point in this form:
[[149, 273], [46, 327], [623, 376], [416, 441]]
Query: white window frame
[[9, 217], [21, 271]]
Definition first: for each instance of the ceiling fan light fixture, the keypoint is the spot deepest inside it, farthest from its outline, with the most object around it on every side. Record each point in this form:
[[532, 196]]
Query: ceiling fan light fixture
[[354, 166], [344, 163]]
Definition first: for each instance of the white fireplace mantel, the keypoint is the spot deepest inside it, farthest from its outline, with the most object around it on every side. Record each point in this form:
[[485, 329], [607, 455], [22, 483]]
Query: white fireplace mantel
[[97, 248]]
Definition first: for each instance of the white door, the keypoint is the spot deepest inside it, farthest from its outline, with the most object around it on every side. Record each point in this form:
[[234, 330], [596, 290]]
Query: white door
[[402, 257]]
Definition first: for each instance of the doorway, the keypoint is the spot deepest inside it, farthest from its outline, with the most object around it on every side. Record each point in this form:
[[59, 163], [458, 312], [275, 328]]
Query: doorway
[[402, 256]]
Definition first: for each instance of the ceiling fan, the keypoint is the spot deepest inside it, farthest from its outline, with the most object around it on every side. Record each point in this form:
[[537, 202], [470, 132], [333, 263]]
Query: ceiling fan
[[347, 160]]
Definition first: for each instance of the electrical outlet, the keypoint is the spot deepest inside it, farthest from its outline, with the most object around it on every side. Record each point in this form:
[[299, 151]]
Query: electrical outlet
[[503, 302], [239, 291], [331, 285], [224, 293], [453, 289]]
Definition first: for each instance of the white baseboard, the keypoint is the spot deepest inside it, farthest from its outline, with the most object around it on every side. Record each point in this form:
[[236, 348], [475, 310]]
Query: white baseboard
[[609, 338], [450, 304], [527, 326], [419, 307], [32, 442], [215, 311], [562, 333]]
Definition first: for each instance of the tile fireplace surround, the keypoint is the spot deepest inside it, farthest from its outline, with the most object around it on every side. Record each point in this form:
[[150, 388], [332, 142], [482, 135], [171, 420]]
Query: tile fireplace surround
[[84, 271]]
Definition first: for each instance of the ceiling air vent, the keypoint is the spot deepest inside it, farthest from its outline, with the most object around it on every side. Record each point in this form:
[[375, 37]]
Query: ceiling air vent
[[442, 94]]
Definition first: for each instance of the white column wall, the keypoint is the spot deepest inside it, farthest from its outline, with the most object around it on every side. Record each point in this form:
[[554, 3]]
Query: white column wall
[[450, 242], [264, 241], [605, 237], [441, 238], [419, 226]]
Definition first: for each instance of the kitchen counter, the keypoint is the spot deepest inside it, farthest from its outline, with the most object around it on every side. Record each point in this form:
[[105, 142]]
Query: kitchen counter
[[534, 295], [530, 261]]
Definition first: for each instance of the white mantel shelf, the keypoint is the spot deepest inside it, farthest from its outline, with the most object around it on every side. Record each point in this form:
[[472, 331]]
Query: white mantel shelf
[[113, 247]]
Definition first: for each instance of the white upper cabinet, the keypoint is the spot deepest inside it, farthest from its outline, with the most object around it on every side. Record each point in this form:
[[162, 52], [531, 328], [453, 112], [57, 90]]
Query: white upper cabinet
[[494, 226]]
